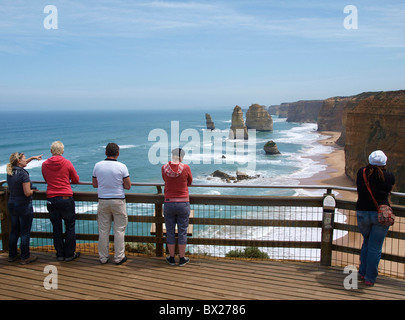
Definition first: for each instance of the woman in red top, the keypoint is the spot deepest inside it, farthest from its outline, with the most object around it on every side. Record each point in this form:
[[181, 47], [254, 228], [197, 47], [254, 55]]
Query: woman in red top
[[177, 177], [58, 173]]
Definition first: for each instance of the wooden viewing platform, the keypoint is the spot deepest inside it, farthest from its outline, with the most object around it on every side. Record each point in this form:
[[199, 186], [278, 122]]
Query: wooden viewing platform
[[150, 278]]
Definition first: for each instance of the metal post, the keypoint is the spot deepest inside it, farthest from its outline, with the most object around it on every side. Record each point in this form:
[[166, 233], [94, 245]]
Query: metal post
[[159, 226], [329, 205]]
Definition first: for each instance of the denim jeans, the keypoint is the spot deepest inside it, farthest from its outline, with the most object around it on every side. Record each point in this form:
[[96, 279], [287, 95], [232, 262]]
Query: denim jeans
[[176, 213], [63, 209], [21, 214], [373, 238]]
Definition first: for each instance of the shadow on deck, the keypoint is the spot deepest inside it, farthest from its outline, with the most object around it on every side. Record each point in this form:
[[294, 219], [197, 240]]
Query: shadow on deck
[[150, 278]]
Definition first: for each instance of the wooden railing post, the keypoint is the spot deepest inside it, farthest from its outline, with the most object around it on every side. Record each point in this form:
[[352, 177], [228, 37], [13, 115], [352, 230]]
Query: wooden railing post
[[159, 226], [4, 217], [328, 217]]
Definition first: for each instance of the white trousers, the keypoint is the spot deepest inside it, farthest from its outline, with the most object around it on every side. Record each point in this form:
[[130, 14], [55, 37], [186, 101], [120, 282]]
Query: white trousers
[[108, 211]]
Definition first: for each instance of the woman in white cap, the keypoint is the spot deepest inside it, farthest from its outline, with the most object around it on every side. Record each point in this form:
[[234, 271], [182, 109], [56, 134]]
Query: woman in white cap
[[381, 182]]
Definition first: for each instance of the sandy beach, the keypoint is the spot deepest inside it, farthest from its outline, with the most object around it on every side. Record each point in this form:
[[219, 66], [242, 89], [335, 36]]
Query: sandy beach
[[334, 175]]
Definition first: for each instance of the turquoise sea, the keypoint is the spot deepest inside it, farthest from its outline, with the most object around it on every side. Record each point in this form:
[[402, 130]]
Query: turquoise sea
[[145, 137]]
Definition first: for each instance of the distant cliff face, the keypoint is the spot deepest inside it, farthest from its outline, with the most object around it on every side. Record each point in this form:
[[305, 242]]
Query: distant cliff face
[[299, 111], [304, 111], [279, 110], [331, 114], [238, 129], [258, 118], [375, 121]]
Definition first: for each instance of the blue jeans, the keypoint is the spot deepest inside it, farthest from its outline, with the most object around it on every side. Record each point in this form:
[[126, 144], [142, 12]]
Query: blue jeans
[[21, 214], [176, 213], [373, 238], [63, 209]]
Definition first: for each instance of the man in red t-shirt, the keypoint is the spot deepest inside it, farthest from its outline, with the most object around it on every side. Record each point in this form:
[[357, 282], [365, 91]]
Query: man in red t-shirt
[[177, 177]]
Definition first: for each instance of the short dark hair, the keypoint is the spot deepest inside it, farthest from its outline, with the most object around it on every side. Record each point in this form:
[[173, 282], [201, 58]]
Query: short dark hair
[[112, 149]]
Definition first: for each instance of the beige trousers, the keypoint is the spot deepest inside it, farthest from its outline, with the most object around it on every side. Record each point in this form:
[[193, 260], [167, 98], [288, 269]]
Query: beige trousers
[[108, 211]]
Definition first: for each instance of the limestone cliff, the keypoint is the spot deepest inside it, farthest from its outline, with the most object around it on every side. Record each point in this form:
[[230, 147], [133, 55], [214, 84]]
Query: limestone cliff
[[299, 111], [238, 129], [258, 118], [279, 110], [375, 121], [331, 114], [304, 111], [209, 122]]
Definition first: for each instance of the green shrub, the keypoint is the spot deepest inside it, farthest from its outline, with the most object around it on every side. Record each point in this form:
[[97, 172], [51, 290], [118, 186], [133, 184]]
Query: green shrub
[[249, 252]]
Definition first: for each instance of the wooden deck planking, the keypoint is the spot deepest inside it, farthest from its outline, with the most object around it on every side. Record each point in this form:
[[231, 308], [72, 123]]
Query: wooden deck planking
[[150, 278]]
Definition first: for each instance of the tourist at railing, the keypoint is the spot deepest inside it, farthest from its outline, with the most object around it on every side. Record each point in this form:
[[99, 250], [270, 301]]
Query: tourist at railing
[[20, 207], [177, 177], [381, 182], [58, 173], [111, 177]]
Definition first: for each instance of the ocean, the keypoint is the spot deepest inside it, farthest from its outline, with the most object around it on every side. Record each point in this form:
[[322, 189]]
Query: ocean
[[146, 138]]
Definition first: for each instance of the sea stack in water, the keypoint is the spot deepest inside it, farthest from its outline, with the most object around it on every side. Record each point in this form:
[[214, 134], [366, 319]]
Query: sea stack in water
[[210, 124], [258, 118], [271, 147], [238, 129]]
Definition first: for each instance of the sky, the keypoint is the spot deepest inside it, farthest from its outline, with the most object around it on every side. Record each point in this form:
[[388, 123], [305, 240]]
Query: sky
[[151, 54]]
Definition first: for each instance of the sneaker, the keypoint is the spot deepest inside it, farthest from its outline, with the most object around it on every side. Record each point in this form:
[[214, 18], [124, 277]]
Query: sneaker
[[60, 258], [368, 283], [183, 261], [171, 261], [31, 258], [75, 255], [122, 261], [12, 259]]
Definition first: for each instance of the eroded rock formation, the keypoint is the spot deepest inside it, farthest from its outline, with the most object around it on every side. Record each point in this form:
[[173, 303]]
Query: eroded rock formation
[[258, 118], [271, 147], [209, 122], [238, 129]]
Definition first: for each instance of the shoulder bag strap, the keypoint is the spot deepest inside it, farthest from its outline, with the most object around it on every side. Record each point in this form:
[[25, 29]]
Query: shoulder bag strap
[[369, 189]]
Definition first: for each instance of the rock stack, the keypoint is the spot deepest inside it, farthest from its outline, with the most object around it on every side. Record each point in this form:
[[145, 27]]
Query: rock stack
[[210, 123], [238, 129], [258, 118], [271, 147]]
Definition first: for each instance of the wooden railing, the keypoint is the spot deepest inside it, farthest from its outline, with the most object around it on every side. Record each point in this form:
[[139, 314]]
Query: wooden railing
[[235, 221]]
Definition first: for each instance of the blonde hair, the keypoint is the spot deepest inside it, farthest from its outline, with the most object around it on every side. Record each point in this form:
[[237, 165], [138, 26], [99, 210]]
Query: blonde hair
[[14, 158], [57, 148]]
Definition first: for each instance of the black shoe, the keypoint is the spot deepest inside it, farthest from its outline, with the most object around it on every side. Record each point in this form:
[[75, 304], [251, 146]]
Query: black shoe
[[12, 259], [171, 261], [31, 258], [76, 255], [183, 261], [122, 261]]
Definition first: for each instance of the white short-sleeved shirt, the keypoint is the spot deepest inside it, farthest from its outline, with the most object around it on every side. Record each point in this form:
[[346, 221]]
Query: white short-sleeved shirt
[[110, 175]]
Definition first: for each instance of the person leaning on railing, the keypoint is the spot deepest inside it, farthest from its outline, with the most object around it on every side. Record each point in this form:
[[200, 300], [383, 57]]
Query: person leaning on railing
[[58, 173], [20, 207], [111, 177], [381, 182], [177, 177]]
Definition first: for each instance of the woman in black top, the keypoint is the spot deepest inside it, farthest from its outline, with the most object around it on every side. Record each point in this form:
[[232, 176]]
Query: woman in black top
[[381, 182], [20, 206]]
